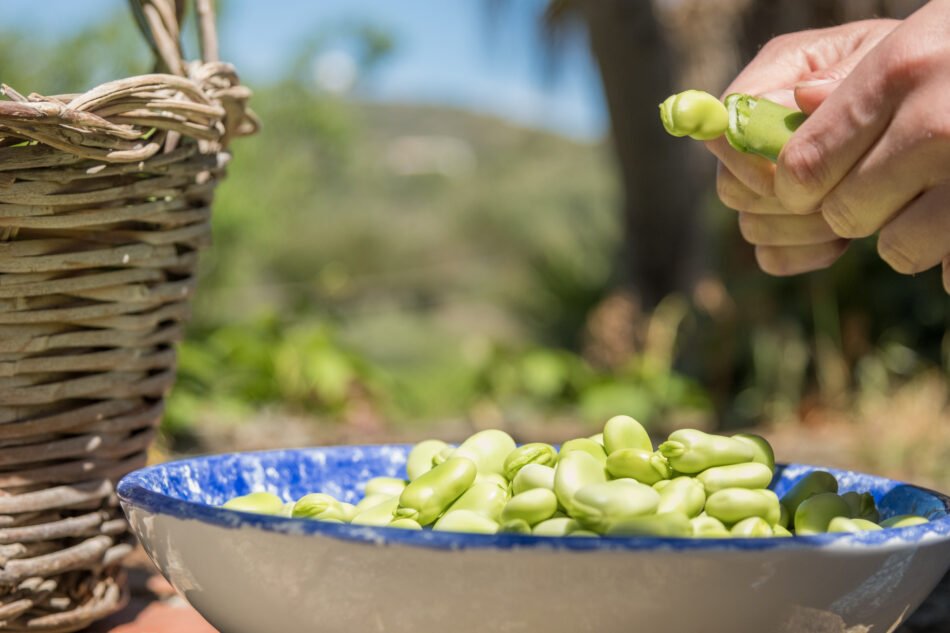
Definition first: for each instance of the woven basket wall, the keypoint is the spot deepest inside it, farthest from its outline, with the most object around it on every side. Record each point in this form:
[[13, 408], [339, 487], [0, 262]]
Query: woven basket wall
[[104, 205]]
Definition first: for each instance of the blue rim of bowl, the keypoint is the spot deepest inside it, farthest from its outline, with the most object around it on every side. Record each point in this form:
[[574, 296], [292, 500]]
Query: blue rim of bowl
[[133, 491]]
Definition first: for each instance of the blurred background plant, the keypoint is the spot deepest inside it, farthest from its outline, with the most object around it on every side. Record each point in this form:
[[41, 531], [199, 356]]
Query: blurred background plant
[[386, 262]]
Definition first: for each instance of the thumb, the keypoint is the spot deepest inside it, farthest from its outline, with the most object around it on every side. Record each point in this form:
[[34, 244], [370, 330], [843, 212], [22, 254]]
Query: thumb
[[811, 93], [812, 90]]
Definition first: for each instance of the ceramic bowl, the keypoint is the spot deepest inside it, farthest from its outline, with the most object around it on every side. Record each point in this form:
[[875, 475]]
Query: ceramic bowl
[[249, 573]]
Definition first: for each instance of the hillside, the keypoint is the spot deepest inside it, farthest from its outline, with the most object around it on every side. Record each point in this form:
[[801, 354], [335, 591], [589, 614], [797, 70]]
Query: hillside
[[405, 217]]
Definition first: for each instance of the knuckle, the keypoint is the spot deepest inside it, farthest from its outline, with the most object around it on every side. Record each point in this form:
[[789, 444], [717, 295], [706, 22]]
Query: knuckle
[[779, 43], [935, 130], [803, 160], [925, 135], [841, 218], [907, 65], [894, 250]]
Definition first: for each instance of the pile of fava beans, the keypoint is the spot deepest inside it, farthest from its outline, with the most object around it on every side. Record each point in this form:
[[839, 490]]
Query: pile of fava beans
[[611, 484]]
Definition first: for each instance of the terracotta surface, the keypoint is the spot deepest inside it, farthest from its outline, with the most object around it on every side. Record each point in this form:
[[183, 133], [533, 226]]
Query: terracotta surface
[[154, 606], [141, 616]]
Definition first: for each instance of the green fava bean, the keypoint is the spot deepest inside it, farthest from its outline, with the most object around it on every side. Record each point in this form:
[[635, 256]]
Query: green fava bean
[[428, 496], [752, 475], [622, 431], [348, 511], [584, 445], [532, 506], [815, 482], [488, 449], [761, 449], [735, 504], [420, 459], [369, 501], [705, 526], [904, 520], [780, 530], [586, 533], [533, 476], [465, 521], [815, 513], [684, 495], [664, 524], [256, 503], [844, 524], [599, 438], [492, 478], [646, 467], [378, 514], [287, 510], [389, 486], [660, 485], [696, 114], [484, 498], [561, 526], [535, 453], [516, 526], [753, 527], [317, 506], [442, 456], [862, 506], [691, 451], [598, 506], [574, 471], [405, 524]]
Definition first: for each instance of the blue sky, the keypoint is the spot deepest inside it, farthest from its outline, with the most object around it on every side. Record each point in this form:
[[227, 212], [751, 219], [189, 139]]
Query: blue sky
[[446, 52]]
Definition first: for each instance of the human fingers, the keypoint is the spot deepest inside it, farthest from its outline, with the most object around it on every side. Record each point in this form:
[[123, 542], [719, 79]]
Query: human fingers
[[756, 173], [793, 260], [736, 195], [852, 119], [908, 159], [788, 59], [816, 86], [785, 230], [918, 238], [811, 56]]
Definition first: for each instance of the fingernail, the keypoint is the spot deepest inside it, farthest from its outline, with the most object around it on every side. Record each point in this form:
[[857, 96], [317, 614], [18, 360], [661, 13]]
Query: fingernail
[[814, 83], [782, 97]]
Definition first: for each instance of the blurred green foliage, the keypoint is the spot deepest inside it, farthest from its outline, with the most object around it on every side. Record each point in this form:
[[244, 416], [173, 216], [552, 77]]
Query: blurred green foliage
[[104, 50], [245, 365], [304, 367]]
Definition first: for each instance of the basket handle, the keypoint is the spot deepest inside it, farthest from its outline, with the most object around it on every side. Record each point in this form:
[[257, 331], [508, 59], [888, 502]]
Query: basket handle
[[160, 22]]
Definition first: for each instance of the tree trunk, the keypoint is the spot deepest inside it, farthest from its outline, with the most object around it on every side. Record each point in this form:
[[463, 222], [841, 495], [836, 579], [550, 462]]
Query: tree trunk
[[663, 232], [767, 18]]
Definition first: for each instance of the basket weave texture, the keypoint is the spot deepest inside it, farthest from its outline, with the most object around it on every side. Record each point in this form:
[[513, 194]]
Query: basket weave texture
[[104, 205]]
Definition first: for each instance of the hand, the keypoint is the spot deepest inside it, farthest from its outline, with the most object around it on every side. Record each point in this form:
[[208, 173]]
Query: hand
[[787, 243], [863, 64], [875, 156]]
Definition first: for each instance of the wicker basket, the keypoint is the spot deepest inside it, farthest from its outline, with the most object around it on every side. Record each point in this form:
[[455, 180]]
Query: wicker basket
[[104, 204]]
